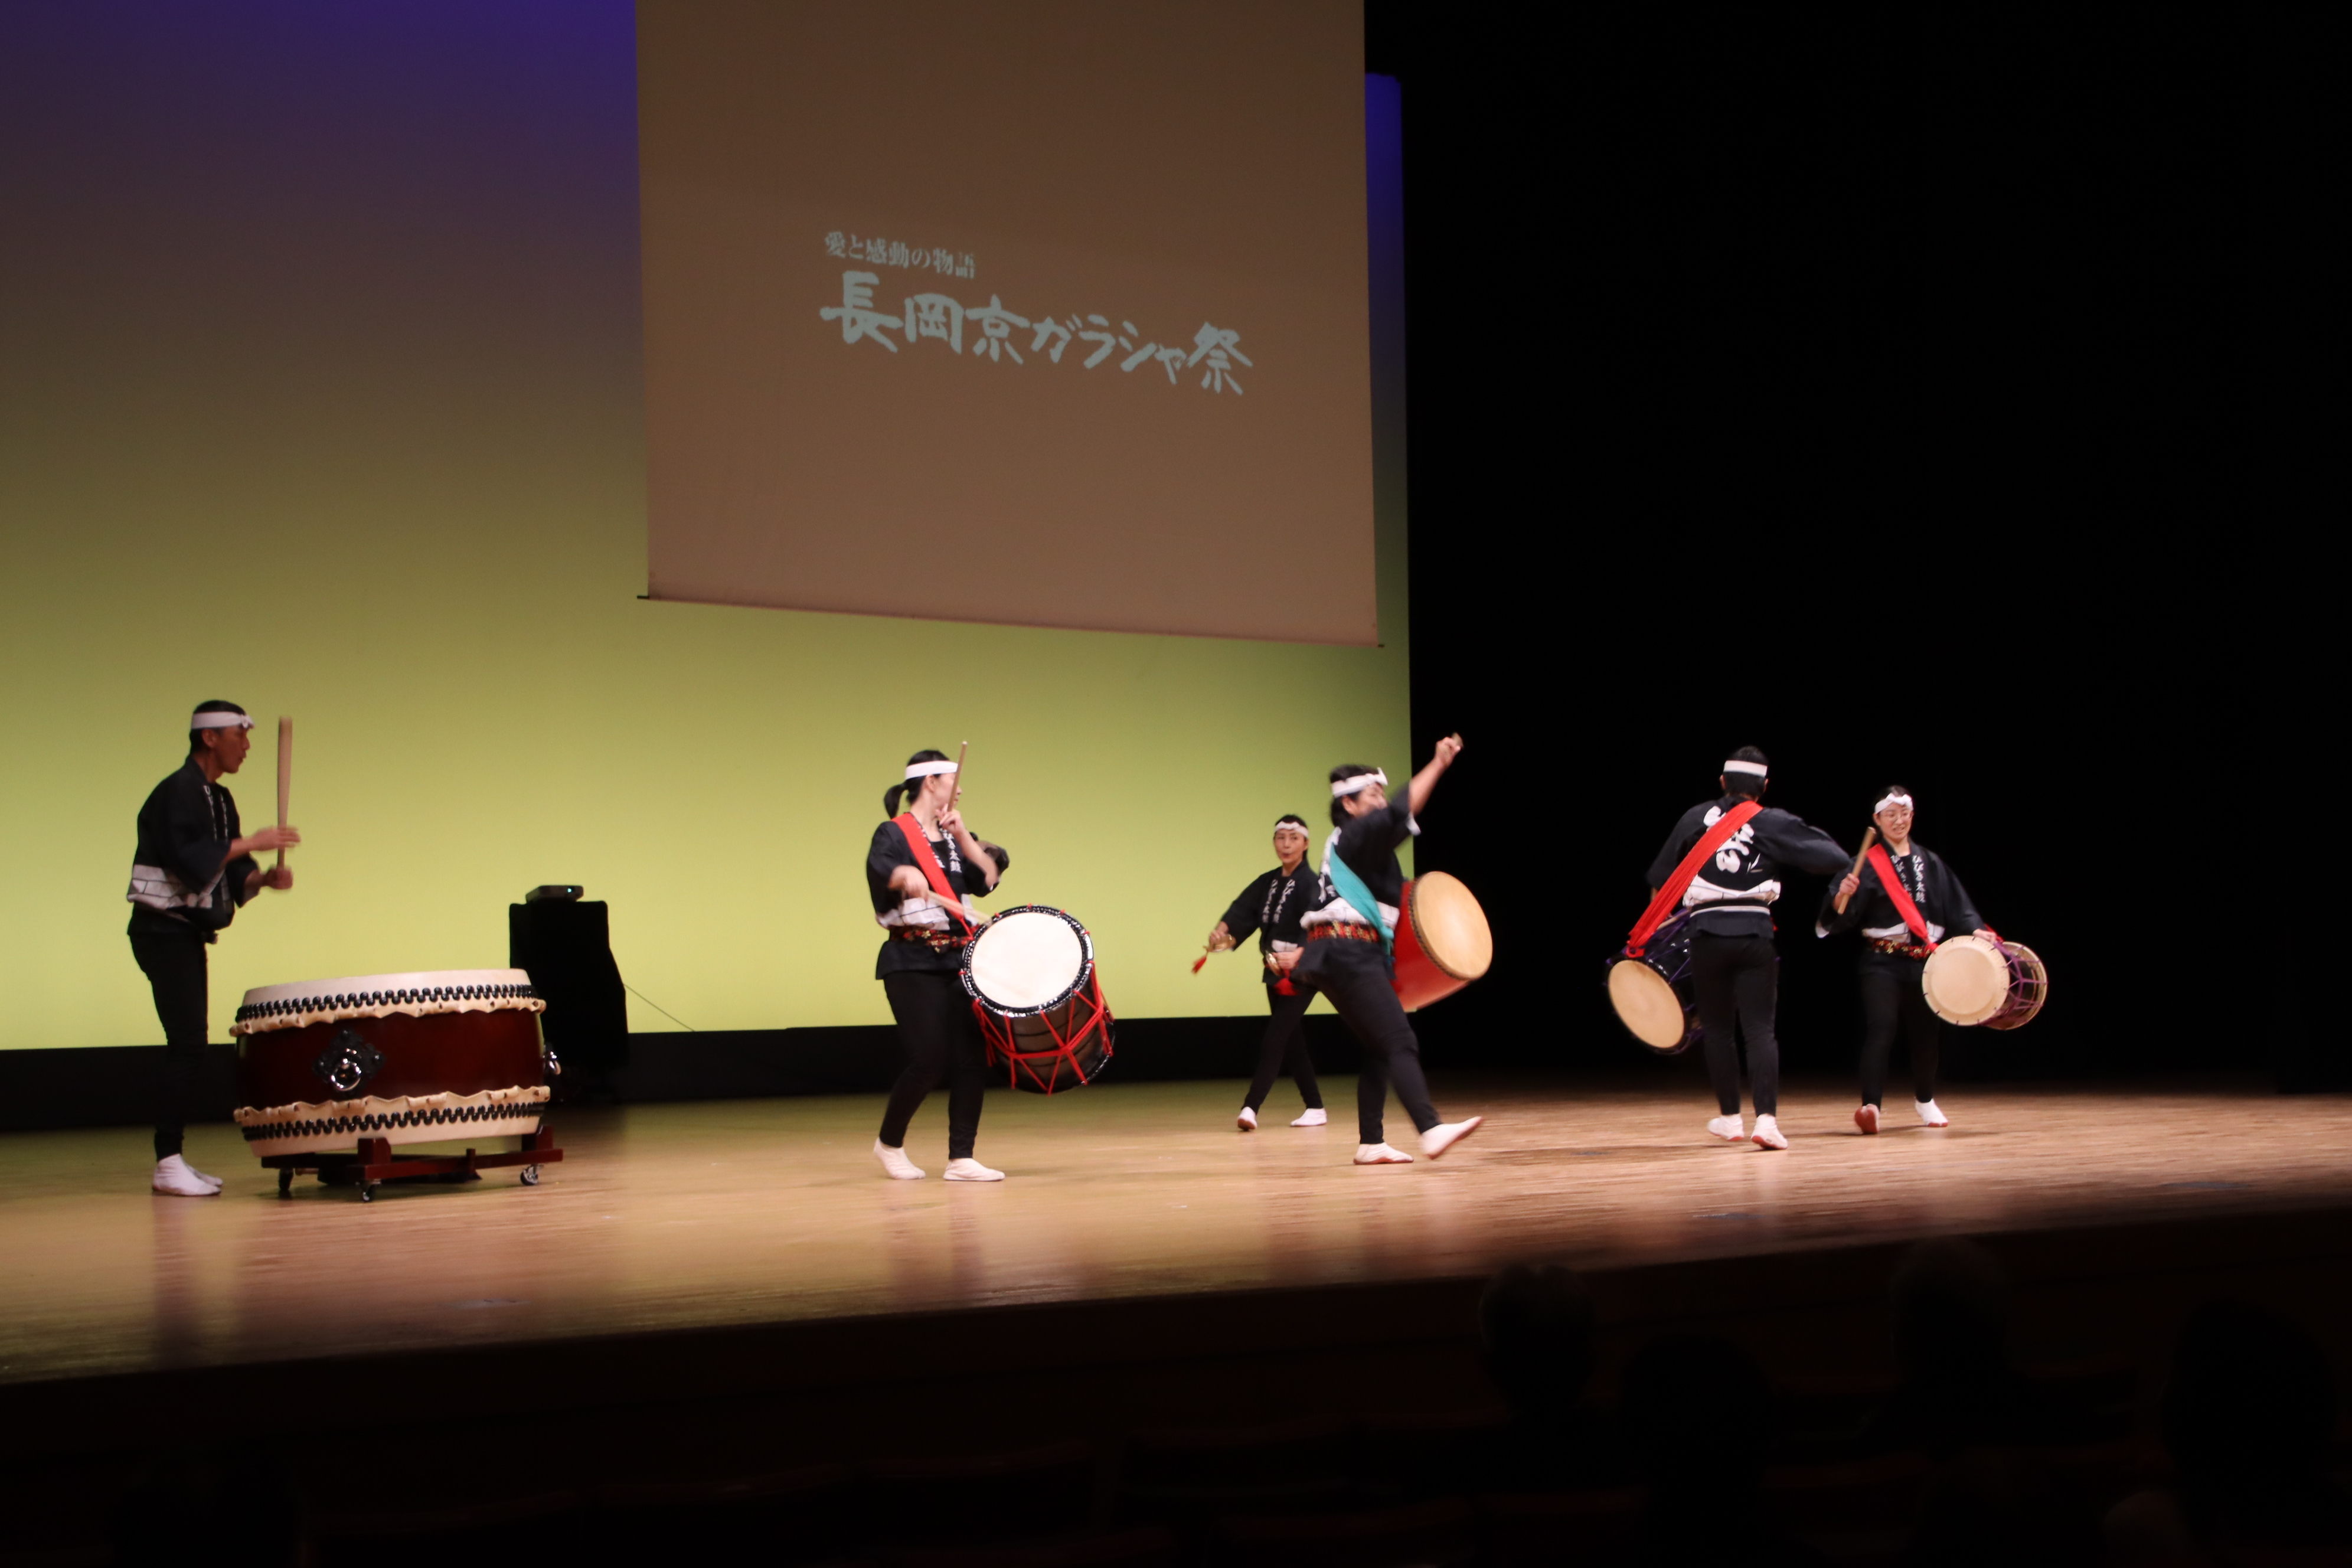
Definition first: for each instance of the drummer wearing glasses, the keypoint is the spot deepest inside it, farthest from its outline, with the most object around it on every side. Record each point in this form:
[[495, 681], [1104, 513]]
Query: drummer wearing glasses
[[1271, 907], [1894, 953]]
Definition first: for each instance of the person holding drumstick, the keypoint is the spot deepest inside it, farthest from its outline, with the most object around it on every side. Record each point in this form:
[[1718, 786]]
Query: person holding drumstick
[[1271, 907], [1733, 961], [1894, 953], [193, 868], [1348, 937], [922, 869]]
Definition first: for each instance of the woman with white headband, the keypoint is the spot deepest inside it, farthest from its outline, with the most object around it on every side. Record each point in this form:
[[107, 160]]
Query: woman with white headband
[[922, 870], [1736, 969], [1349, 935], [1893, 955], [194, 868], [1272, 907]]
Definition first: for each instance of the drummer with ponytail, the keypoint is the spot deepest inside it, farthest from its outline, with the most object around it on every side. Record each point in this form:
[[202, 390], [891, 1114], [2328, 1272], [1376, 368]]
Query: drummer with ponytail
[[923, 868], [1272, 907]]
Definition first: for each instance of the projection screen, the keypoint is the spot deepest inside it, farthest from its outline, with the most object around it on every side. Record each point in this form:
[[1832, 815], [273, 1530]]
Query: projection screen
[[1043, 313]]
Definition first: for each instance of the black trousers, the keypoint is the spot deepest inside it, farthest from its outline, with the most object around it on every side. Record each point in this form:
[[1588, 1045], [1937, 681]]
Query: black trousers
[[177, 973], [1355, 976], [941, 1039], [1890, 998], [1284, 1049], [1738, 980]]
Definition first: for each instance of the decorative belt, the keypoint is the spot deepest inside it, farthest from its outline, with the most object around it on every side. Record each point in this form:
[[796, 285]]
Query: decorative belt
[[938, 939], [1887, 944], [1347, 929]]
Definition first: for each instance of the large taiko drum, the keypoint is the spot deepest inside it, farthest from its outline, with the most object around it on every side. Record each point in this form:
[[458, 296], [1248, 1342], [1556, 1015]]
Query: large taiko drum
[[407, 1059], [1030, 972], [1443, 940], [1972, 979], [1653, 993]]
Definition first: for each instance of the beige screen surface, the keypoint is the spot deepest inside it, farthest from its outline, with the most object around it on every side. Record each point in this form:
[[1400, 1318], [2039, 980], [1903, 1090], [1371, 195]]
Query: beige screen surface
[[1032, 313]]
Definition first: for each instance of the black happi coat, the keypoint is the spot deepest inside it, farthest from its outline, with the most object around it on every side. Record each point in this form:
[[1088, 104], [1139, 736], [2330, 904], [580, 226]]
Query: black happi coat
[[1736, 887], [178, 883], [889, 851], [1271, 907], [1943, 903]]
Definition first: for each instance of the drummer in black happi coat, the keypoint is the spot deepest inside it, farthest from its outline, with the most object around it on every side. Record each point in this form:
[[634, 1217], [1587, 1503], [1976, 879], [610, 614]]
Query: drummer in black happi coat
[[1893, 954], [928, 923], [192, 870], [1271, 907], [1349, 934], [1733, 961]]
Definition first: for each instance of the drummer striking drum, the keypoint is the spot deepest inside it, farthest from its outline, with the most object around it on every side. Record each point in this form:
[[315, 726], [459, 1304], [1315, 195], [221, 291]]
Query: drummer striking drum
[[192, 869], [922, 869], [1732, 957]]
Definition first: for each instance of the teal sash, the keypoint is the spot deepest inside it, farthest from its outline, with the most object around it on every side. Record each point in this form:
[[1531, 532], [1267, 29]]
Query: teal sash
[[1352, 888]]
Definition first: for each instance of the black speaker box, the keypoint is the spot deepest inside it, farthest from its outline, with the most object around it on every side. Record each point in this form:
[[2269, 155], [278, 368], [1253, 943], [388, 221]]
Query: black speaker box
[[566, 947]]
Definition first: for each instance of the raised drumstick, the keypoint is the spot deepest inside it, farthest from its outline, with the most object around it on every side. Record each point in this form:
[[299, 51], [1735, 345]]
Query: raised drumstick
[[956, 793], [1869, 837], [285, 773]]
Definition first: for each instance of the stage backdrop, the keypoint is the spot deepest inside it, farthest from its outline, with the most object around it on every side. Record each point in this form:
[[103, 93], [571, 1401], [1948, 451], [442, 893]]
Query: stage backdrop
[[1048, 312], [322, 392]]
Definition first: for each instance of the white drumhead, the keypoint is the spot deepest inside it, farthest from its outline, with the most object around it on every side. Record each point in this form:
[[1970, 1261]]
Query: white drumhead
[[1027, 959], [1452, 927], [1646, 1004], [1966, 979]]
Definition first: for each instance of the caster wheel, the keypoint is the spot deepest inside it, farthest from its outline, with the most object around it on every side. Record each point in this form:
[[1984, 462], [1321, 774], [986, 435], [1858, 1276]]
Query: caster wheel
[[285, 1182], [531, 1175], [367, 1192]]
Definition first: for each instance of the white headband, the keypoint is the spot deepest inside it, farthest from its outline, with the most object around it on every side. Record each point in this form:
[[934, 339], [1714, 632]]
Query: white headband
[[220, 720], [1890, 800], [1287, 826], [1359, 783], [925, 769], [1736, 767]]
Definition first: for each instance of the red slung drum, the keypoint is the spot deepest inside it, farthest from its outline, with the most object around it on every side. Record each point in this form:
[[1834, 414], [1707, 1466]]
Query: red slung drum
[[1443, 940], [424, 1058], [1030, 972]]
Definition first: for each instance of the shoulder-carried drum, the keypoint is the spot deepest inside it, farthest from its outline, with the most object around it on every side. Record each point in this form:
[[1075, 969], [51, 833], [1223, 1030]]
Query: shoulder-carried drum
[[1030, 972], [1655, 994], [1972, 979], [409, 1058], [1443, 940]]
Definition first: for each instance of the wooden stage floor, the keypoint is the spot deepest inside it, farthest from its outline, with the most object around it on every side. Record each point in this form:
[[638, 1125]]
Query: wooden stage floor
[[682, 1216]]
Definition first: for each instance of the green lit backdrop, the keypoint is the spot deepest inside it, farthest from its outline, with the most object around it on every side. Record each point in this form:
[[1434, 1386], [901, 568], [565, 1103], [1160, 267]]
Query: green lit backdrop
[[321, 395]]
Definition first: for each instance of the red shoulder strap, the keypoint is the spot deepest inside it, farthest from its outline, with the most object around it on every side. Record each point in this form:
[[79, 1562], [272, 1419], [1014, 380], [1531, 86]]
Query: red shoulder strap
[[1671, 894], [1894, 886], [928, 862]]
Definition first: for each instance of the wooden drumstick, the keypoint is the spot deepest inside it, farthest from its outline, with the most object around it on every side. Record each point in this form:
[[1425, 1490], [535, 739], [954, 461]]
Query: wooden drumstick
[[956, 793], [1869, 837], [285, 773]]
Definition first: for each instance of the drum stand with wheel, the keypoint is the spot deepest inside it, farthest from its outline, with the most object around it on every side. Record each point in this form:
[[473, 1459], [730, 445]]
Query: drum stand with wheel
[[375, 1164]]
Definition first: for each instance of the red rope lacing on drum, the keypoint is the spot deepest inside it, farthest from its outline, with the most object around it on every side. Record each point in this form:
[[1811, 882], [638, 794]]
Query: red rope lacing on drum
[[1087, 1013]]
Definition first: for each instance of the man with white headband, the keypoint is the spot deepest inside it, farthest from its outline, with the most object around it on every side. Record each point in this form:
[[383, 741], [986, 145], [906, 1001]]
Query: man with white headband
[[1348, 958], [1905, 899], [1273, 907], [193, 867], [1733, 963]]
